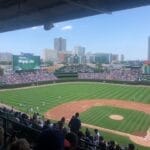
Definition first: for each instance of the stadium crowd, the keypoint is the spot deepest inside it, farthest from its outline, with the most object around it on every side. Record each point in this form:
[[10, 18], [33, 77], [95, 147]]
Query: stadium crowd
[[83, 71], [27, 77], [120, 75], [54, 135]]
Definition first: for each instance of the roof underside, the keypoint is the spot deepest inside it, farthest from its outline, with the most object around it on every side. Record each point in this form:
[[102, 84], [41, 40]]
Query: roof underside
[[18, 14]]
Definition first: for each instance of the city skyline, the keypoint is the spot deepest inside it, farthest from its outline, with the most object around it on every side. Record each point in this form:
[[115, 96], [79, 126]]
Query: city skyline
[[123, 32]]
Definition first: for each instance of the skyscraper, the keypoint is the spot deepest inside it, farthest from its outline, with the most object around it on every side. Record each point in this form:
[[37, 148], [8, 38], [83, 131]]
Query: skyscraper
[[49, 55], [149, 48], [122, 58], [5, 56], [79, 50], [60, 44], [113, 58]]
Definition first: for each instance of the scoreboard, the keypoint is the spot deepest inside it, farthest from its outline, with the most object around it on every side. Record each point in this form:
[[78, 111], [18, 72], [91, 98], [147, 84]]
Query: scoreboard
[[26, 62]]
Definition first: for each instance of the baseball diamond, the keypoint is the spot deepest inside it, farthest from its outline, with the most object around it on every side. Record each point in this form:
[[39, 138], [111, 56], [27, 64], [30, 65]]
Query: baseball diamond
[[95, 102]]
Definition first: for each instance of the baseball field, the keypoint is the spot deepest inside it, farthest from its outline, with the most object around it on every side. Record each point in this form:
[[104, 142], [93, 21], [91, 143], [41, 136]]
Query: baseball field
[[120, 112]]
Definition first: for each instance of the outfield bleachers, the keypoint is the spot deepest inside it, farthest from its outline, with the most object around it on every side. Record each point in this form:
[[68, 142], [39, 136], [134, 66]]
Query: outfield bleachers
[[120, 75], [27, 77]]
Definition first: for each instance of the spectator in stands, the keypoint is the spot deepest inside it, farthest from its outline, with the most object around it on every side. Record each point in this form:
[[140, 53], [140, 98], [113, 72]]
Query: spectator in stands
[[73, 141], [118, 147], [87, 133], [1, 137], [11, 139], [102, 143], [111, 145], [20, 144], [88, 136], [61, 123], [96, 137], [67, 145], [75, 124], [70, 122], [131, 146], [28, 77], [47, 124], [35, 116], [115, 74], [53, 137], [50, 139]]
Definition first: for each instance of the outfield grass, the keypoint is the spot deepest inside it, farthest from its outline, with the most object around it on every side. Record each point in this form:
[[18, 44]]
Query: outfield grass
[[56, 94], [49, 96], [133, 122]]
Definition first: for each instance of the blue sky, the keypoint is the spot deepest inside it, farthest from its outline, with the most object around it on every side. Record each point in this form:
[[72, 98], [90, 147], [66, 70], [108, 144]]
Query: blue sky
[[123, 32]]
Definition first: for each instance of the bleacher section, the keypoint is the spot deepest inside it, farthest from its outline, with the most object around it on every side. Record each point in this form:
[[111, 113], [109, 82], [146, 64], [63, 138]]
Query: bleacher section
[[27, 77], [116, 74]]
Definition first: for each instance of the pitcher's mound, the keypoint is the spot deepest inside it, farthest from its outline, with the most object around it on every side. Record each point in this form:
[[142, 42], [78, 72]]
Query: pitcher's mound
[[116, 117]]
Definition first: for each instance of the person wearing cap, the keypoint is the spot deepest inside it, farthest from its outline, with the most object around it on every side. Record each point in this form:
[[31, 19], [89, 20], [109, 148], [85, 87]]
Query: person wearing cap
[[75, 124]]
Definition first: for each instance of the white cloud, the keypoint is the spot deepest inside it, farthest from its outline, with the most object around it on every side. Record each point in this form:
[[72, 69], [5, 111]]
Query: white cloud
[[68, 27], [35, 28]]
